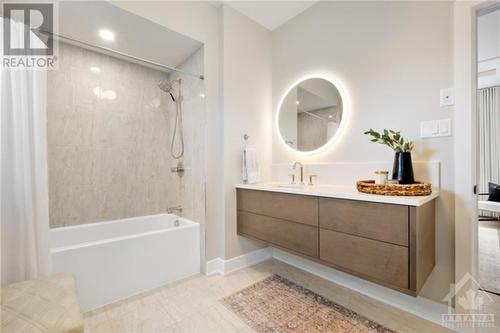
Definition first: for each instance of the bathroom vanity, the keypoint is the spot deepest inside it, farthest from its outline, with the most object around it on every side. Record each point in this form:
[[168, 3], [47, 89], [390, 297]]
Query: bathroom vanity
[[387, 240]]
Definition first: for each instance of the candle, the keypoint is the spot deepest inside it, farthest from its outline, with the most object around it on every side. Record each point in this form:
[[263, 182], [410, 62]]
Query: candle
[[381, 177]]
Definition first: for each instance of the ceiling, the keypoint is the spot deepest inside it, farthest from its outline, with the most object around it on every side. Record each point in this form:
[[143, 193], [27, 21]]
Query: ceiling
[[81, 21], [309, 101], [270, 14], [316, 94], [134, 35]]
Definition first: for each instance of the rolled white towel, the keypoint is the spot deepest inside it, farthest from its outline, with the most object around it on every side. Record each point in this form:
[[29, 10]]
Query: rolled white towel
[[249, 166]]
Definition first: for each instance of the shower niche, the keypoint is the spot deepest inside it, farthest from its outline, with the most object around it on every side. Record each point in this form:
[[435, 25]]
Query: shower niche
[[125, 118]]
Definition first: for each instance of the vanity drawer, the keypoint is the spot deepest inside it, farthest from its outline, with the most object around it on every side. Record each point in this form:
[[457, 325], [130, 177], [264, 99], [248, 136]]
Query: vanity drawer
[[291, 207], [297, 237], [384, 222], [373, 259]]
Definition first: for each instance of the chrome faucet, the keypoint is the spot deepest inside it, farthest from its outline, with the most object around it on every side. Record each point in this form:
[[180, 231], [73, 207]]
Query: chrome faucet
[[178, 209], [301, 171]]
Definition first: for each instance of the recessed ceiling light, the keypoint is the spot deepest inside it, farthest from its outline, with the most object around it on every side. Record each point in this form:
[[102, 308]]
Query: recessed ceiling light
[[330, 116], [95, 69], [106, 34], [202, 95], [297, 102]]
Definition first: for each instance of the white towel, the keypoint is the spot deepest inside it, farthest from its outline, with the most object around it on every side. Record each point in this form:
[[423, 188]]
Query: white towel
[[249, 166]]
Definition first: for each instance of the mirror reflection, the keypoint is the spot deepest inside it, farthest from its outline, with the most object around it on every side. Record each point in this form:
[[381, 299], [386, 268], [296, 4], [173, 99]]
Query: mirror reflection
[[310, 114]]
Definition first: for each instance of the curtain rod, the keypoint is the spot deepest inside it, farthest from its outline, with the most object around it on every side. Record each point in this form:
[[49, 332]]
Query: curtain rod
[[121, 55]]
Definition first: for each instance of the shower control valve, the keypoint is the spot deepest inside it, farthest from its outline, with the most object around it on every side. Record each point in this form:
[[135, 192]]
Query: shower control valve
[[179, 169]]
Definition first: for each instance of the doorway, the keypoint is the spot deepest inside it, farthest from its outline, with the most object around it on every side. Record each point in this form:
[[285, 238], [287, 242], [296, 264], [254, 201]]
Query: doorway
[[488, 144]]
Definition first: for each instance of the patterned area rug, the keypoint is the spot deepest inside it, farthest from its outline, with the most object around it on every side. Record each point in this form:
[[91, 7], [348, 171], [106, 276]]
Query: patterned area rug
[[278, 305]]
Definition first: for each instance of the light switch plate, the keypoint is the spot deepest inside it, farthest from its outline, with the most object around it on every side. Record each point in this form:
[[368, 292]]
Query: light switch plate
[[435, 128], [446, 97]]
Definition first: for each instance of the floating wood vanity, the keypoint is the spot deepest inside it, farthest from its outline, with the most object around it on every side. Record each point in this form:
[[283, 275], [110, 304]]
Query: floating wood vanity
[[387, 240]]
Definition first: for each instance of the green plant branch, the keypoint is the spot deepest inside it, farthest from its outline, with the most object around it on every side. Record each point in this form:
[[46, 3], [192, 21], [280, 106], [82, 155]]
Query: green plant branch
[[392, 139]]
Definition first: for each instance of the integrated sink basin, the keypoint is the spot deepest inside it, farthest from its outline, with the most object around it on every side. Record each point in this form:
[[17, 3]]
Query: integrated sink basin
[[290, 186]]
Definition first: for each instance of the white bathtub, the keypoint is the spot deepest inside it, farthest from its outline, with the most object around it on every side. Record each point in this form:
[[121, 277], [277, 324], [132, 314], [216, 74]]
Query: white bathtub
[[117, 259]]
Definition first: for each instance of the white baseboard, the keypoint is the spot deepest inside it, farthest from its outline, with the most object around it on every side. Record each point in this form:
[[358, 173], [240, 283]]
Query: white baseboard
[[221, 266], [214, 266], [418, 306]]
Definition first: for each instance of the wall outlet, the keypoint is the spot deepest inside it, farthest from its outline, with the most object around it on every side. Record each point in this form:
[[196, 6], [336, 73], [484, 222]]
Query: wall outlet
[[446, 97], [435, 128]]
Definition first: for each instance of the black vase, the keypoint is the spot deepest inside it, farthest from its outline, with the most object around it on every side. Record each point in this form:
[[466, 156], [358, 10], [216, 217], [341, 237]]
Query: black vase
[[402, 170]]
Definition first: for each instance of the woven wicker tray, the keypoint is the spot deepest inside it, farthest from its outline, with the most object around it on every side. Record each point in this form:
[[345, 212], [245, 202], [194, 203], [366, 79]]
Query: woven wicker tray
[[410, 190]]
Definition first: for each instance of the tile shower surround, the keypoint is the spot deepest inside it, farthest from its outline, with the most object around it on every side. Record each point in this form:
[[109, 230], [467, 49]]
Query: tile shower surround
[[110, 158]]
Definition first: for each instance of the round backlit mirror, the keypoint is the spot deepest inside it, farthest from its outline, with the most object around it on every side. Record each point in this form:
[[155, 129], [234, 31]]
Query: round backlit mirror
[[310, 114]]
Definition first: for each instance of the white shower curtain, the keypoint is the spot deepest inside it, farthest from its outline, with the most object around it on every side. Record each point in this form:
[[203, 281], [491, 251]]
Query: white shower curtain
[[489, 137], [24, 186]]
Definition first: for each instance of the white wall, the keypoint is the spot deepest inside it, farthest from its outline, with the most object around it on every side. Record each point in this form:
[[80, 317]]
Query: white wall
[[393, 58], [246, 95]]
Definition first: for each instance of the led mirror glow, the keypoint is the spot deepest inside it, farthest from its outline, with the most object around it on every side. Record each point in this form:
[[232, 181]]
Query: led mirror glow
[[106, 35], [311, 114]]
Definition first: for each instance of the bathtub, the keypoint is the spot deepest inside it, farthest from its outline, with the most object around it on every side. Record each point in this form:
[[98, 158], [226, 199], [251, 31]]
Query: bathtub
[[117, 259]]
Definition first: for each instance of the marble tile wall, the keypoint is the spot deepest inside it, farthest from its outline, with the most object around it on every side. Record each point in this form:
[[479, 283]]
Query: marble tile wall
[[109, 131]]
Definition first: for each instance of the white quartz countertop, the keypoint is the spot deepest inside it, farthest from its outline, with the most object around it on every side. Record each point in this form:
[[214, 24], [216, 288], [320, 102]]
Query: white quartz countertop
[[341, 192]]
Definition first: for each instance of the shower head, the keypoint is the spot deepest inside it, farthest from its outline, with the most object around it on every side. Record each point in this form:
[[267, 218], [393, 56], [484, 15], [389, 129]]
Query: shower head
[[166, 86]]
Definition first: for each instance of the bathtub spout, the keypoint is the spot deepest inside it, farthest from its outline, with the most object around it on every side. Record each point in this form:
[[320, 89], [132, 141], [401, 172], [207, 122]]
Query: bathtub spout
[[176, 209]]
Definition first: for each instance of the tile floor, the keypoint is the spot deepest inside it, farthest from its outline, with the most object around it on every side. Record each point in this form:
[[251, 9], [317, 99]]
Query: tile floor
[[193, 305]]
